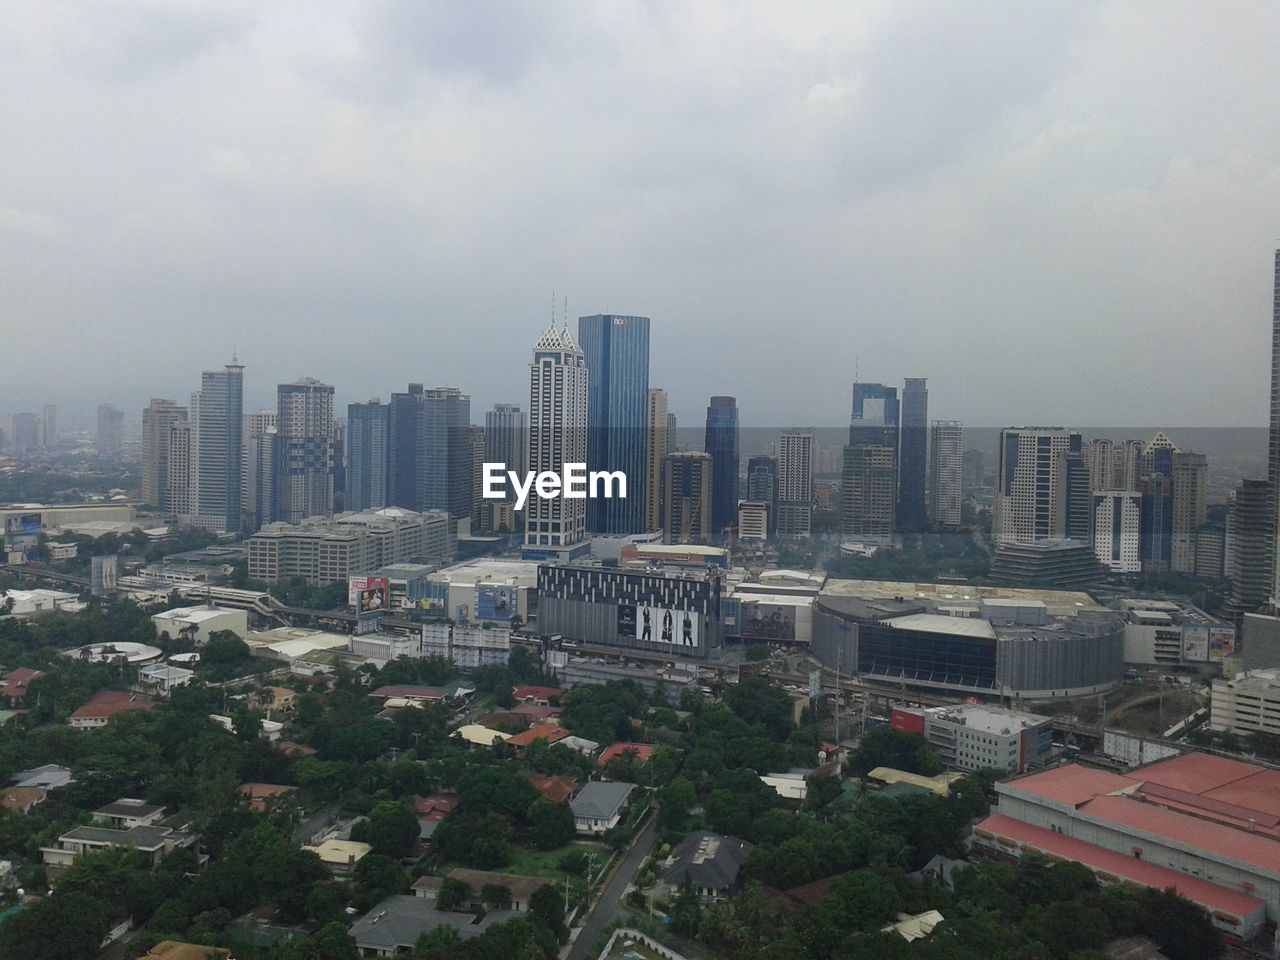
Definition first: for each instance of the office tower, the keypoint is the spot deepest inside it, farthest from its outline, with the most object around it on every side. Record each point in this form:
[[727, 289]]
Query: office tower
[[973, 469], [368, 455], [795, 483], [444, 451], [1117, 530], [259, 501], [762, 485], [1029, 495], [405, 429], [49, 426], [1273, 447], [687, 491], [110, 431], [477, 477], [946, 465], [304, 450], [1156, 490], [657, 444], [1249, 540], [557, 435], [25, 437], [913, 456], [869, 468], [1103, 466], [1129, 464], [1211, 543], [216, 459], [179, 490], [339, 465], [721, 443], [1073, 506], [506, 437], [672, 440], [753, 520], [868, 492], [157, 420], [1190, 484], [616, 351]]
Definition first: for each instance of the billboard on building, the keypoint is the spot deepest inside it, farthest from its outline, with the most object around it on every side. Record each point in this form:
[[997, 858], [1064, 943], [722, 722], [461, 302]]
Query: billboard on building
[[768, 621], [1222, 641], [679, 628], [1195, 643], [494, 602], [369, 594], [22, 525], [102, 574], [432, 605]]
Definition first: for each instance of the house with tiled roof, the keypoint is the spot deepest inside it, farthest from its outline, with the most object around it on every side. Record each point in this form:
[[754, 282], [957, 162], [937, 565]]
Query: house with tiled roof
[[557, 788], [101, 707]]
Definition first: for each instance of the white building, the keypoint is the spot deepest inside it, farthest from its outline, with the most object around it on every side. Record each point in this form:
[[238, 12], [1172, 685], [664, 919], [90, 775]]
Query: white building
[[382, 647], [1248, 704], [200, 623], [467, 644], [1117, 530], [753, 520], [946, 463], [28, 603], [557, 435], [1028, 484], [980, 737], [598, 806], [162, 678], [795, 483]]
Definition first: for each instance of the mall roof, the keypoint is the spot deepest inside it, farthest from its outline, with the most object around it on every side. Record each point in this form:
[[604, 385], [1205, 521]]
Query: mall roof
[[938, 623], [951, 592]]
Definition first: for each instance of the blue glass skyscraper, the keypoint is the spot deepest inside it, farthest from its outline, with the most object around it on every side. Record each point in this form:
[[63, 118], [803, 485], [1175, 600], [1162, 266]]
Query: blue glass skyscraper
[[722, 444], [616, 349]]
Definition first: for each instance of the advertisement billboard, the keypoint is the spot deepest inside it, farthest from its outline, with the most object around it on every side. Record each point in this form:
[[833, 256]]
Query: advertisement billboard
[[25, 526], [677, 628], [102, 574], [369, 594], [495, 602], [1195, 643], [1222, 641], [423, 605], [768, 621]]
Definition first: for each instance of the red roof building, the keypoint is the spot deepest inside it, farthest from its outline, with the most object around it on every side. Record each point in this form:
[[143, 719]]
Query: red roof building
[[643, 751], [550, 732], [409, 692], [260, 795], [101, 707], [556, 788], [538, 695], [14, 688], [291, 749], [436, 807]]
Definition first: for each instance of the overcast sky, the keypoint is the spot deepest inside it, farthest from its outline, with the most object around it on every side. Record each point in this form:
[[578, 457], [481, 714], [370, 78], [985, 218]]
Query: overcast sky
[[1056, 212]]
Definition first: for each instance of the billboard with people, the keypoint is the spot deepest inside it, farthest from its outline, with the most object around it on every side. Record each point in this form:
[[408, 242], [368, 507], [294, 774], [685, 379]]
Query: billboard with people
[[494, 602], [369, 594], [678, 628], [768, 621]]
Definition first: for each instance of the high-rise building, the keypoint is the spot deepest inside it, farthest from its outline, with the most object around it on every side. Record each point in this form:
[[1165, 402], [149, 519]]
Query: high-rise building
[[753, 520], [157, 420], [616, 351], [110, 431], [477, 477], [25, 433], [913, 456], [869, 476], [656, 447], [1190, 485], [368, 446], [557, 435], [1211, 543], [722, 445], [688, 492], [1273, 448], [403, 441], [1105, 468], [1030, 484], [946, 464], [304, 450], [506, 436], [444, 451], [49, 426], [762, 485], [216, 457], [1117, 530], [672, 440], [1157, 521], [795, 483], [973, 469], [1074, 508], [1249, 542], [180, 483], [258, 504]]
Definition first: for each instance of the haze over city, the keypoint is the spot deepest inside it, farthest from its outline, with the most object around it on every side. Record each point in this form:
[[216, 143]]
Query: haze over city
[[1056, 212]]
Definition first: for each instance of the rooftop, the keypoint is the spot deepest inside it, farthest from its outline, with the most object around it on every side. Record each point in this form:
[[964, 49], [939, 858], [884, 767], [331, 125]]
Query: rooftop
[[939, 623], [601, 800], [950, 592], [197, 614], [396, 923], [987, 719]]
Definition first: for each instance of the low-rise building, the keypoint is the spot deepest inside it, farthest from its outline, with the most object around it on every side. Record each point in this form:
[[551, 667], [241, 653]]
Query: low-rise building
[[50, 776], [199, 623], [21, 799], [31, 603], [599, 805], [179, 950], [469, 645], [519, 889], [129, 812], [13, 691], [1250, 703], [477, 736], [341, 856], [392, 928], [711, 862], [163, 678], [384, 647], [1173, 633], [101, 707], [260, 796], [980, 737], [152, 843]]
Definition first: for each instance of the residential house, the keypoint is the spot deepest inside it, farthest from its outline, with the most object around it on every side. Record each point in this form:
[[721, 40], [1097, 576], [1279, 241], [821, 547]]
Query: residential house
[[101, 707], [262, 795], [520, 889], [341, 856], [599, 805], [153, 843], [392, 928], [542, 696], [164, 678], [431, 810], [557, 788], [550, 732], [21, 799], [711, 862], [478, 736], [128, 812], [13, 691], [179, 950], [642, 751], [50, 776]]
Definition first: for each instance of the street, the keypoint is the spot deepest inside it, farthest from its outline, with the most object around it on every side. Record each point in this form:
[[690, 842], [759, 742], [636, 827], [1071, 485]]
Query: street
[[606, 908]]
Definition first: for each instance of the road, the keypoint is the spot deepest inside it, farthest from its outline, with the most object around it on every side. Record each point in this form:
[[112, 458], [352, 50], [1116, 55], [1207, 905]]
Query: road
[[607, 908]]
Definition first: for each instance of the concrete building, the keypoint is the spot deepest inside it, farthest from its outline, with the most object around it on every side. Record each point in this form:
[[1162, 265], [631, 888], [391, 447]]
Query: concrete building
[[110, 431], [912, 516], [158, 420], [216, 450], [558, 379], [869, 493], [1030, 485], [762, 485], [469, 645], [259, 501], [1190, 488], [1047, 563], [599, 805], [753, 520], [199, 623], [368, 447], [1249, 703], [713, 864], [687, 496], [1173, 633], [304, 450], [795, 483], [980, 737], [721, 444], [1117, 530], [394, 926], [1250, 543], [657, 446], [1205, 826], [946, 465], [330, 551]]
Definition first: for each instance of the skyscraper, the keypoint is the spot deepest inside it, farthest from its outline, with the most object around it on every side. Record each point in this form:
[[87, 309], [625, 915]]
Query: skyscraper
[[913, 456], [1273, 448], [304, 450], [157, 420], [180, 484], [1190, 485], [25, 433], [368, 453], [1117, 530], [688, 492], [795, 483], [1249, 541], [477, 476], [558, 379], [1029, 484], [1156, 490], [722, 446], [616, 352], [762, 485], [657, 444], [869, 476], [444, 451], [216, 456], [672, 440], [1073, 506], [405, 428], [258, 504], [946, 464], [110, 431], [506, 436], [49, 426]]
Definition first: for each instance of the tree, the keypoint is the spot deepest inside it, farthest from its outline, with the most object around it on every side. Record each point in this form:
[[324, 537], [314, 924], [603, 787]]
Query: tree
[[546, 907], [496, 896], [454, 894], [392, 830], [551, 825], [686, 909], [63, 927]]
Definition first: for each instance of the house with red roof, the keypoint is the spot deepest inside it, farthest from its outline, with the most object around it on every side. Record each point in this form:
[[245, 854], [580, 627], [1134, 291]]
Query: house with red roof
[[542, 696], [643, 751], [101, 707], [13, 690], [557, 788], [261, 795], [550, 732]]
